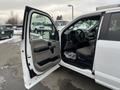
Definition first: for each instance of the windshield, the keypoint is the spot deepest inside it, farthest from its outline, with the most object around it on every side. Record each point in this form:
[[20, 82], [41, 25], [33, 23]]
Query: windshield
[[61, 23], [85, 24]]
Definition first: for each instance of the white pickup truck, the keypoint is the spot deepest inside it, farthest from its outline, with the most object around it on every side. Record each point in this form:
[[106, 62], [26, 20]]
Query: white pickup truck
[[89, 45]]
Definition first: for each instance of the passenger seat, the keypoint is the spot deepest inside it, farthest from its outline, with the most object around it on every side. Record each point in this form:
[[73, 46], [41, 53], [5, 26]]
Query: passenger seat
[[86, 53]]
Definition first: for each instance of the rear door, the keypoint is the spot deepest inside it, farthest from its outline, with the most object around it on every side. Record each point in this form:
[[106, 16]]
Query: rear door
[[107, 55], [40, 47]]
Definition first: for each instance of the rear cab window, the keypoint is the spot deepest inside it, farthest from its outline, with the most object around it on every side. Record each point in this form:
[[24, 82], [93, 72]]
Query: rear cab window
[[110, 29]]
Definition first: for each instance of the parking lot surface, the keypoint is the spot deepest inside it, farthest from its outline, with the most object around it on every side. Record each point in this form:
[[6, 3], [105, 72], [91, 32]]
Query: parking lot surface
[[61, 79]]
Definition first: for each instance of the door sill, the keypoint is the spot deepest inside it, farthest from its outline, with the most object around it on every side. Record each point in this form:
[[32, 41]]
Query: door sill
[[85, 72]]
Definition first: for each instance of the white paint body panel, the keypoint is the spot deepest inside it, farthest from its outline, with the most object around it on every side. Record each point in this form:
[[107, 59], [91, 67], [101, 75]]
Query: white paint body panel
[[107, 63]]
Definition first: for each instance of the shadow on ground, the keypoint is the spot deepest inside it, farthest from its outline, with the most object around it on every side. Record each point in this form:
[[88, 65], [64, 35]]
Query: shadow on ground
[[67, 85]]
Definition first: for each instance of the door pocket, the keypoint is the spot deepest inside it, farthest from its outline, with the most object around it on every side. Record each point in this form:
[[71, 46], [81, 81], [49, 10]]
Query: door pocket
[[43, 62]]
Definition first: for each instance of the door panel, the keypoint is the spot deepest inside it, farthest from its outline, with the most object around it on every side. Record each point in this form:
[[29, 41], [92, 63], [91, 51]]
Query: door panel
[[45, 54], [107, 64], [107, 55], [40, 46]]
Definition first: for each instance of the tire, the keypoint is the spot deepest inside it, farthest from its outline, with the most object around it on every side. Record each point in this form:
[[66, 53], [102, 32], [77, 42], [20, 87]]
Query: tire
[[11, 35], [36, 31]]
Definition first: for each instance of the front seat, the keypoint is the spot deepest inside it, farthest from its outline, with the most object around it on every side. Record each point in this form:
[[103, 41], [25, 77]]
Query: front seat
[[86, 53], [72, 42]]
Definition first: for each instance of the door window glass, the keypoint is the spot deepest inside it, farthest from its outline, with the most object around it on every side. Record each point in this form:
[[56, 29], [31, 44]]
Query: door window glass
[[115, 22], [41, 27], [113, 30]]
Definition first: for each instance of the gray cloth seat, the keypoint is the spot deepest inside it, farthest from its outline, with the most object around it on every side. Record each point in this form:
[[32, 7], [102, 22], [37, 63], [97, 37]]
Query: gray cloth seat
[[86, 52]]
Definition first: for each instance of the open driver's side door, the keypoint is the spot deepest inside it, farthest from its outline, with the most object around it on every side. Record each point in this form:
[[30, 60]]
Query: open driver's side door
[[40, 47]]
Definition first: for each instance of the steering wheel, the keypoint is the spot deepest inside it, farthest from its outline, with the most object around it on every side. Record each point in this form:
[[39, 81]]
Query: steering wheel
[[81, 35]]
